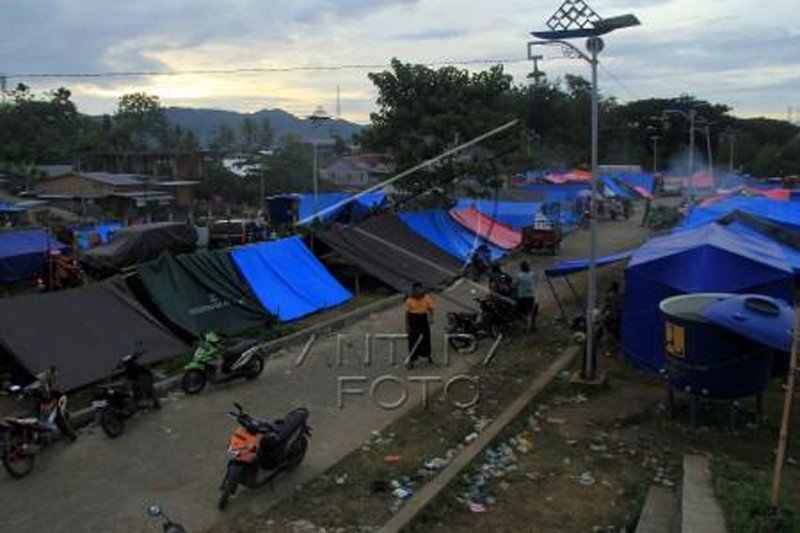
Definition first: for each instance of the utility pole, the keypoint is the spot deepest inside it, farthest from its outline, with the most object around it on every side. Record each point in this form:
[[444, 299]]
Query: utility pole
[[655, 139]]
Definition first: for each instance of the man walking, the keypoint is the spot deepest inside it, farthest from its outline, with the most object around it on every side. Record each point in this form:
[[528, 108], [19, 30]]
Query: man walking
[[526, 294]]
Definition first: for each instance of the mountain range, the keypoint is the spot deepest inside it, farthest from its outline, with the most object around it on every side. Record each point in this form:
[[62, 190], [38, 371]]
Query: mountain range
[[204, 122]]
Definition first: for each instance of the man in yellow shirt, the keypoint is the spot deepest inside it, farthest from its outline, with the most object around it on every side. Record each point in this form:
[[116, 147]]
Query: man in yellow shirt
[[419, 313]]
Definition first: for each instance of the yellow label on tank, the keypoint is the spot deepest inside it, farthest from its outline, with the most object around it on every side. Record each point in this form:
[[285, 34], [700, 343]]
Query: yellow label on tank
[[676, 340]]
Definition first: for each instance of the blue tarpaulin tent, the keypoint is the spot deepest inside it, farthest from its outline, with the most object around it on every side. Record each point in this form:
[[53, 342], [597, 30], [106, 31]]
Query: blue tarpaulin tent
[[287, 279], [785, 214], [23, 253], [711, 258], [439, 228], [83, 236], [638, 179], [614, 187], [6, 207], [515, 214], [324, 201], [565, 268]]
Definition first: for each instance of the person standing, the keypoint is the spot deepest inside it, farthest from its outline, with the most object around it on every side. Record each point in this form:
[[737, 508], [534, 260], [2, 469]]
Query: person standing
[[526, 294], [419, 315]]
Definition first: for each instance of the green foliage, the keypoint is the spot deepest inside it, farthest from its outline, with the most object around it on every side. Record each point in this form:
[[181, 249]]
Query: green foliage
[[745, 497], [663, 217]]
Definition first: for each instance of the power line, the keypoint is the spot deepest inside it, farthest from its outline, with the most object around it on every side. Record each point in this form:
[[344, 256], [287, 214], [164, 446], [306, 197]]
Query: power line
[[254, 70]]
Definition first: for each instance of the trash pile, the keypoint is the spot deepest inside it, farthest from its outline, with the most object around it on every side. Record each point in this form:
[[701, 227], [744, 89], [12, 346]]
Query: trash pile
[[499, 462]]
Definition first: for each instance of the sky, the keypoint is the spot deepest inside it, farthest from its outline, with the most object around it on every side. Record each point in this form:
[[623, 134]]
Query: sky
[[739, 52]]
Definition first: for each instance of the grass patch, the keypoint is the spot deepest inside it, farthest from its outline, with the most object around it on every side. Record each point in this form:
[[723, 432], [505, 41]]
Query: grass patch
[[745, 497]]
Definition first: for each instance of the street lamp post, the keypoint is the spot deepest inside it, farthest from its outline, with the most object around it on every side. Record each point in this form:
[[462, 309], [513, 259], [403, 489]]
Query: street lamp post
[[655, 139], [575, 19], [317, 117]]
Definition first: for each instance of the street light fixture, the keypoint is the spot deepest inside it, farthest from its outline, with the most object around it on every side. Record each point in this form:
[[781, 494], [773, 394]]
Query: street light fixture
[[575, 19], [317, 117]]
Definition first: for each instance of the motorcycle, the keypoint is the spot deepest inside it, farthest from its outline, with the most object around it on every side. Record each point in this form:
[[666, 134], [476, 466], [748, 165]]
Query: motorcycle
[[464, 328], [22, 438], [217, 364], [167, 525], [116, 403], [256, 445]]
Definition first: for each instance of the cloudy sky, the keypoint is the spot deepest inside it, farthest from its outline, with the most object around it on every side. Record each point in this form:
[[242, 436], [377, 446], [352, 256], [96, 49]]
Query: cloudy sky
[[740, 52]]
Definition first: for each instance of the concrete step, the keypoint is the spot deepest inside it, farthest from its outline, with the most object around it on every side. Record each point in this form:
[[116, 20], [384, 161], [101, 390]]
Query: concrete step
[[700, 511], [660, 512]]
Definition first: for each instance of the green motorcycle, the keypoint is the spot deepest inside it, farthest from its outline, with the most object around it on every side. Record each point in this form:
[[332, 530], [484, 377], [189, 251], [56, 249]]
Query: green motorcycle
[[215, 363]]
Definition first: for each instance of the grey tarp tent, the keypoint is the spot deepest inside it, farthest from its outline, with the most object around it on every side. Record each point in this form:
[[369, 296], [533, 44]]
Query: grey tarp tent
[[136, 244], [387, 249], [202, 292], [83, 332]]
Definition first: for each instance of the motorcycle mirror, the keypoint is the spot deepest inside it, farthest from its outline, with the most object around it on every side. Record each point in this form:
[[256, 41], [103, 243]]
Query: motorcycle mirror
[[237, 406], [155, 510]]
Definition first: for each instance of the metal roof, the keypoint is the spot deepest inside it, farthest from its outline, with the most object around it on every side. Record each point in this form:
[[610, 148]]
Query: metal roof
[[112, 179]]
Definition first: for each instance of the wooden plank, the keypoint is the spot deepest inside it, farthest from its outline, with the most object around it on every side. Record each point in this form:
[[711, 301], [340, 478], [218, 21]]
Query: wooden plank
[[427, 493]]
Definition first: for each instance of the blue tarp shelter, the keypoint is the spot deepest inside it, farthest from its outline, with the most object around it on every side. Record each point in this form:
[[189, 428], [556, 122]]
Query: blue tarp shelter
[[785, 214], [324, 201], [573, 266], [6, 207], [711, 258], [638, 179], [83, 236], [515, 214], [612, 186], [23, 253], [438, 227], [288, 279]]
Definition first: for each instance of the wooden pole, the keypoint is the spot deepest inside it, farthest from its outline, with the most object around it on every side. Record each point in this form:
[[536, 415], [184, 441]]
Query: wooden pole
[[787, 408]]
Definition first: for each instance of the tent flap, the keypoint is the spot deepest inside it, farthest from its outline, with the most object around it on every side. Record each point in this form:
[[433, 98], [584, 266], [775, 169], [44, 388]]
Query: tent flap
[[387, 249], [202, 292], [287, 279], [491, 230], [23, 253], [565, 268], [436, 226], [88, 330]]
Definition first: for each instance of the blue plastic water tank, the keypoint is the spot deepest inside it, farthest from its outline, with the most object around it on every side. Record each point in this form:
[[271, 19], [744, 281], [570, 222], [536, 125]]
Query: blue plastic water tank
[[707, 360]]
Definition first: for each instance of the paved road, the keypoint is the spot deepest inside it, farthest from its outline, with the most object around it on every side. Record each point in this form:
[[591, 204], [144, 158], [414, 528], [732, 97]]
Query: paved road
[[176, 456]]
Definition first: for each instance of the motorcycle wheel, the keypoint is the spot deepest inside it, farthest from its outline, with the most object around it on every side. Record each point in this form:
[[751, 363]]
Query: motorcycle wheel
[[297, 453], [113, 425], [255, 367], [16, 463], [193, 381]]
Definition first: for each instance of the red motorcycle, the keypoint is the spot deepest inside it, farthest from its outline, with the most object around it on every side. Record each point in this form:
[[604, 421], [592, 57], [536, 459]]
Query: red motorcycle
[[257, 445]]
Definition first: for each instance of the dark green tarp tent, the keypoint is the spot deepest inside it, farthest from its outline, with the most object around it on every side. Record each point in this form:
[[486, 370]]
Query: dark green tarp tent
[[202, 292]]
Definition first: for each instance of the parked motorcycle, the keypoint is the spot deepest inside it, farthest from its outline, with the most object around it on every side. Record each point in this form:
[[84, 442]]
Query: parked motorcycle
[[215, 363], [257, 445], [167, 525], [22, 438], [464, 328], [115, 403]]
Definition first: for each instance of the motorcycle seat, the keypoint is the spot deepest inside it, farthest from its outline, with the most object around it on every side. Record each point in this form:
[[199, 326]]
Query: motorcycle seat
[[240, 347]]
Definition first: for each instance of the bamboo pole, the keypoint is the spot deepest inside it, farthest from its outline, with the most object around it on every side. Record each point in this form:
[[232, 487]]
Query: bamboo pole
[[787, 408]]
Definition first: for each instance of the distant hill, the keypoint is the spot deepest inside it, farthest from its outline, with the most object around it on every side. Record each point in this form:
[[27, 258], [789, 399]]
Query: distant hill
[[204, 123]]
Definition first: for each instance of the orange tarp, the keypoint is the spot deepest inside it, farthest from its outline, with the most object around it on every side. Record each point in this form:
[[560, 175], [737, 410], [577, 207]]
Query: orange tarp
[[493, 231]]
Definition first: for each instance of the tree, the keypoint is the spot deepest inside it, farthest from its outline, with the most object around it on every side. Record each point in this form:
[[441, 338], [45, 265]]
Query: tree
[[224, 138], [250, 135], [139, 122], [422, 112], [267, 133]]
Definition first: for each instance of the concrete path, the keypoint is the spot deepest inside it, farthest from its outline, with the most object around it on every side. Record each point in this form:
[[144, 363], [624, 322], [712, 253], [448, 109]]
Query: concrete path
[[700, 511], [177, 456]]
